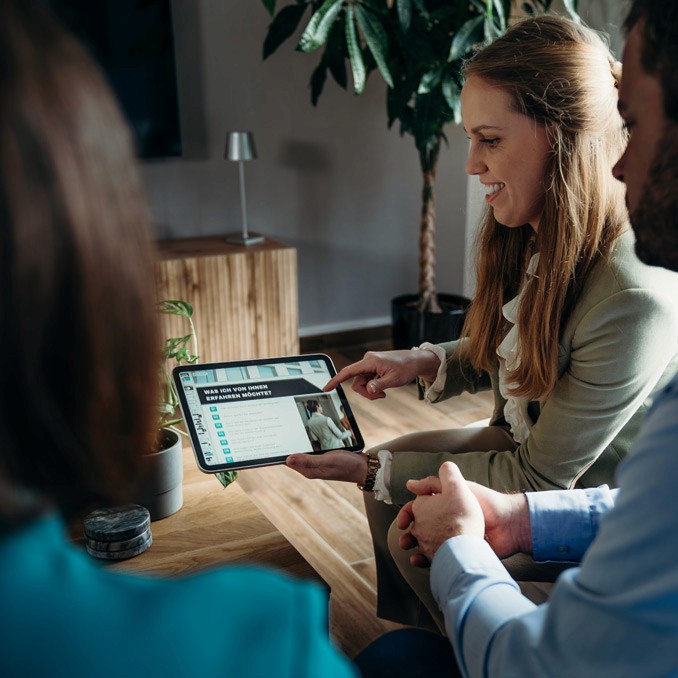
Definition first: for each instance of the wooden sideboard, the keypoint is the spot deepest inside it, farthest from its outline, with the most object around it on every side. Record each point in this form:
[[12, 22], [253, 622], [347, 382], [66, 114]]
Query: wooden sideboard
[[245, 298]]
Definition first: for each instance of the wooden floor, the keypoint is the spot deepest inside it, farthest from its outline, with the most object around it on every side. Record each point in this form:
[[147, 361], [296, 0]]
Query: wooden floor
[[325, 520]]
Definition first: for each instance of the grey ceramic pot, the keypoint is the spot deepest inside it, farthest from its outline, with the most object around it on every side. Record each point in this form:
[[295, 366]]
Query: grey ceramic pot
[[162, 490]]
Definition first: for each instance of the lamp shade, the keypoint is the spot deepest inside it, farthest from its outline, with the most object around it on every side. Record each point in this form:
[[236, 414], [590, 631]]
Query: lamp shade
[[240, 146]]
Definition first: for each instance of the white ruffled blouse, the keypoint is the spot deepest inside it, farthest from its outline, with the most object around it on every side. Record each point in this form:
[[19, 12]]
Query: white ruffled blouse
[[515, 410]]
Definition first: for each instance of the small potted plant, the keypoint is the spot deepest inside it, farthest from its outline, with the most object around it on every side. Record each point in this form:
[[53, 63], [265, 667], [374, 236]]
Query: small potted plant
[[179, 351], [162, 490], [175, 351]]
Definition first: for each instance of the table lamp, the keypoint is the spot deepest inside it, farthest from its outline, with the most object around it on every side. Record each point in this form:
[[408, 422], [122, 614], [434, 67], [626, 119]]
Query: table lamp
[[239, 148]]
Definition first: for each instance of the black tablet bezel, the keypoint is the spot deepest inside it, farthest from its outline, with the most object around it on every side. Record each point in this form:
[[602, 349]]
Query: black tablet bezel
[[202, 462]]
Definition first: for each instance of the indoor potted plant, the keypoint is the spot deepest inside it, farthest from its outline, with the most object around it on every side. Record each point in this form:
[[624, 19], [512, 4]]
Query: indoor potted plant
[[162, 491], [418, 47]]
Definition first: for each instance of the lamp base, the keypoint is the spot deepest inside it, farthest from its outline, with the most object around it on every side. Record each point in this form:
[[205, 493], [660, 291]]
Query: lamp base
[[241, 239]]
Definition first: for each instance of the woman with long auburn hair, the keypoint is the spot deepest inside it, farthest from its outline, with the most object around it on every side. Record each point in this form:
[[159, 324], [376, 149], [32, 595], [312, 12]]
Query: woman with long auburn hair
[[573, 331]]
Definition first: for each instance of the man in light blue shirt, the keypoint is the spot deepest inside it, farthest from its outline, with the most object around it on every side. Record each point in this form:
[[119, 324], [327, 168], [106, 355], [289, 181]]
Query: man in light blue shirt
[[617, 613]]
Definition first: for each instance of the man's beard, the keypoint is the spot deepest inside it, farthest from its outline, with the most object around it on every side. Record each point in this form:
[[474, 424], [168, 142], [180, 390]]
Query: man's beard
[[655, 220]]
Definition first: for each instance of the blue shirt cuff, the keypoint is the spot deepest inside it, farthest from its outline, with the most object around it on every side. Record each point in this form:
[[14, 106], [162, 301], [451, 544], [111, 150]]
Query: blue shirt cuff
[[565, 522]]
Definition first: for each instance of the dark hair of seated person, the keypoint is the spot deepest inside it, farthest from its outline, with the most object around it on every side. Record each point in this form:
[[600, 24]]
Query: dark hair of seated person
[[79, 341]]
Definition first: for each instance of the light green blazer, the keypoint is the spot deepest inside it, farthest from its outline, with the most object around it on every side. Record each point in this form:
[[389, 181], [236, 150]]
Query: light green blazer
[[618, 347]]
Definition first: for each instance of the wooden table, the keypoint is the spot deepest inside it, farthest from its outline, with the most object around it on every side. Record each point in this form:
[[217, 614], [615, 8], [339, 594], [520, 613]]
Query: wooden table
[[215, 526]]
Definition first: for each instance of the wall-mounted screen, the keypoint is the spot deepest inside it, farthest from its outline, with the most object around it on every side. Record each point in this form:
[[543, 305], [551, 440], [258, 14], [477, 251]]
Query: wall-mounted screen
[[133, 42]]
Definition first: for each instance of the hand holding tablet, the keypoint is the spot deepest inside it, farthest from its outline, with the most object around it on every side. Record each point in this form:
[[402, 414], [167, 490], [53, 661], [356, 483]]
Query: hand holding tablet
[[258, 412]]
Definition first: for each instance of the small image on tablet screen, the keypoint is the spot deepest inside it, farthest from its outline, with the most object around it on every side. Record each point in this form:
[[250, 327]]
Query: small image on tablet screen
[[258, 412]]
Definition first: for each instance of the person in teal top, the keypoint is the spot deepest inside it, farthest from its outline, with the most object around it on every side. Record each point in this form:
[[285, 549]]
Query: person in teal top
[[79, 343], [64, 615]]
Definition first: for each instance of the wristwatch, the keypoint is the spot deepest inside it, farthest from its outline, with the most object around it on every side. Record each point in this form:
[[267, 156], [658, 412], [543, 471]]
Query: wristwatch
[[373, 465]]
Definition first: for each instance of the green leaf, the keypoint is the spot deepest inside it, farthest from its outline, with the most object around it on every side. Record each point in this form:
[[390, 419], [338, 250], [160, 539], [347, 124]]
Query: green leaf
[[176, 348], [320, 25], [171, 424], [175, 307], [404, 8], [465, 38], [282, 27], [430, 81], [335, 55], [501, 15], [318, 81], [450, 91], [226, 477], [354, 52], [490, 30], [166, 408], [376, 39], [270, 6], [571, 8], [457, 111]]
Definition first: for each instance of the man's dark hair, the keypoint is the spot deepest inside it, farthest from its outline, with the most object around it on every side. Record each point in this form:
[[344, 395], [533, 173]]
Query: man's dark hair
[[312, 405], [658, 21]]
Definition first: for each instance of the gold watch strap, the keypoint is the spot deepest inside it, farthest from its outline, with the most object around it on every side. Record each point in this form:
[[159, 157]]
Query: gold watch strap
[[373, 465]]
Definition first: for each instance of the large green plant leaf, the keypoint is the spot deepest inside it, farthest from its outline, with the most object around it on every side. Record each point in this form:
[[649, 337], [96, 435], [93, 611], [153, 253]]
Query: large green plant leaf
[[354, 52], [430, 81], [571, 8], [282, 27], [376, 39], [335, 54], [501, 14], [465, 38], [404, 9], [320, 25], [452, 95]]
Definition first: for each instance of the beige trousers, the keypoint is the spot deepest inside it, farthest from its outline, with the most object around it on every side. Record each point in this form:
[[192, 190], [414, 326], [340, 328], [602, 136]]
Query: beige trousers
[[404, 594]]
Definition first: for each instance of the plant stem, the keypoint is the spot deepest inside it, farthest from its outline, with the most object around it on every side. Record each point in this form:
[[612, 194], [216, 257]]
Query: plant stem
[[428, 294], [194, 337]]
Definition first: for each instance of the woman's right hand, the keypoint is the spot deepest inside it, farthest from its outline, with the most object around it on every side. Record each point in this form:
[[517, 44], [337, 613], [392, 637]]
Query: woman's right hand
[[379, 370]]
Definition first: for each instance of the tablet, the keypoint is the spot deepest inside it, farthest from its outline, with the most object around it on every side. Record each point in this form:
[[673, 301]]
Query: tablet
[[257, 412]]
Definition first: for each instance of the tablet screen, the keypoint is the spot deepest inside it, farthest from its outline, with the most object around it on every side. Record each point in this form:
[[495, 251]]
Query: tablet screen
[[258, 412]]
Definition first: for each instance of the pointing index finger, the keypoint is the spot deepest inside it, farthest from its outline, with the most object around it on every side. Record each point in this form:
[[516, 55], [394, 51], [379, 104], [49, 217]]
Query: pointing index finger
[[345, 374]]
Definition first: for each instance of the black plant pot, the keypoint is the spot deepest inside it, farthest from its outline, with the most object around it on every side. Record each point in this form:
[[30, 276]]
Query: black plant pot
[[411, 327]]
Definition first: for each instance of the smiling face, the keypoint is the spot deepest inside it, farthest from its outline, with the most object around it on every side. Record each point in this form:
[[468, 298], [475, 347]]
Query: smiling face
[[508, 153], [649, 166]]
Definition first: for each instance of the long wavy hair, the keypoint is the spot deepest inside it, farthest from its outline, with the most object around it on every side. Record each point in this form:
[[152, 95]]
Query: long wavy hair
[[564, 77]]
